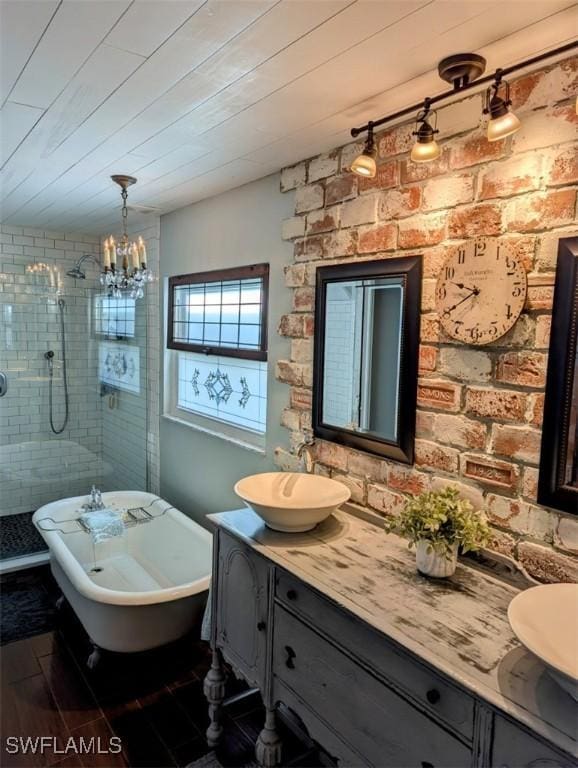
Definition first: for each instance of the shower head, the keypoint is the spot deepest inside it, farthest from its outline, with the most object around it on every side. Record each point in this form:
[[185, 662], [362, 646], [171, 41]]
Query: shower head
[[76, 271]]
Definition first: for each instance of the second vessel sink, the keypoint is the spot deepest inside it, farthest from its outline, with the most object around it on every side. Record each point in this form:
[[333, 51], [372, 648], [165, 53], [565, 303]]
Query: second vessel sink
[[545, 620], [289, 501]]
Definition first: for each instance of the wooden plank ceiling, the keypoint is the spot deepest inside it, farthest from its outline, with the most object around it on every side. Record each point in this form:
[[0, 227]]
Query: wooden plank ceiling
[[198, 96]]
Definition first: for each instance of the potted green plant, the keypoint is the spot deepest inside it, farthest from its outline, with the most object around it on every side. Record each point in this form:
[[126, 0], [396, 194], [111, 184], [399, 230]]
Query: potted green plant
[[438, 523]]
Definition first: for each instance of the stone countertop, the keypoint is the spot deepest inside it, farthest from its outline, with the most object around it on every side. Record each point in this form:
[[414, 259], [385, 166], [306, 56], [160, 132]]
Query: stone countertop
[[459, 625]]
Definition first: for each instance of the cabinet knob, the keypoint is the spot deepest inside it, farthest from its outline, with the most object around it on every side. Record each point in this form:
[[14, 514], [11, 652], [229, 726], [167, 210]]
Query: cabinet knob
[[291, 594], [261, 626], [433, 696], [290, 656]]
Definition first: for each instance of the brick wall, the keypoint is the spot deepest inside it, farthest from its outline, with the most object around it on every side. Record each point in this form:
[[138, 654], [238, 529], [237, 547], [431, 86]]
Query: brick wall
[[479, 409]]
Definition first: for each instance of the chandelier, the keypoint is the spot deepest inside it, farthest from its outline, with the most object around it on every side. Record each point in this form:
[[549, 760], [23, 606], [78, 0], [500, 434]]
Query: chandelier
[[125, 261]]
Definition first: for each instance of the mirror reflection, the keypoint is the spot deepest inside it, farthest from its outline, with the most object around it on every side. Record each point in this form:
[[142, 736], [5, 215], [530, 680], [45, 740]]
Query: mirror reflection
[[363, 321]]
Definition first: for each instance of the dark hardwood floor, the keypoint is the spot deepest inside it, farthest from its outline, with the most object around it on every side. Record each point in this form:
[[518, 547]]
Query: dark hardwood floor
[[153, 702]]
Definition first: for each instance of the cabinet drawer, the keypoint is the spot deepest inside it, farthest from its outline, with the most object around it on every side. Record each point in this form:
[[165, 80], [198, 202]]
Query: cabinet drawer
[[513, 747], [429, 690], [374, 720]]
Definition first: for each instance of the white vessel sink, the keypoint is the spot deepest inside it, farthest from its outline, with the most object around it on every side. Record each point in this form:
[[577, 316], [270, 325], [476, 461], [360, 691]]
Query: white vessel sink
[[545, 620], [289, 501]]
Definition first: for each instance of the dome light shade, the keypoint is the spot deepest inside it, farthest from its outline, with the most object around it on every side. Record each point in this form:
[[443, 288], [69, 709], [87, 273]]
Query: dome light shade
[[505, 125], [423, 153], [502, 122], [426, 147], [364, 165]]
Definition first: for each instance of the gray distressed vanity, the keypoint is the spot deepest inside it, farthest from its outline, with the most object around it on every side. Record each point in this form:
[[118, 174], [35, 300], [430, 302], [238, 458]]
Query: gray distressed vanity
[[383, 666]]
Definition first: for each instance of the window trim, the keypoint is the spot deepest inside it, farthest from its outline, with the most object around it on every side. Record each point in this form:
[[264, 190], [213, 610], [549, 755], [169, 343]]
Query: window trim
[[215, 276]]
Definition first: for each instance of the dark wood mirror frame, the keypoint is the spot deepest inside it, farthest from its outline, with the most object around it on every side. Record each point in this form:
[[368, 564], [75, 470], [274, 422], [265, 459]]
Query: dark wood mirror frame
[[553, 488], [409, 270]]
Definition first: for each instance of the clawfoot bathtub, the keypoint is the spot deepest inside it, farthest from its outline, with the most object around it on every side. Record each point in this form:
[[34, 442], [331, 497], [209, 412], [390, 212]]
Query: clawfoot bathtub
[[136, 591]]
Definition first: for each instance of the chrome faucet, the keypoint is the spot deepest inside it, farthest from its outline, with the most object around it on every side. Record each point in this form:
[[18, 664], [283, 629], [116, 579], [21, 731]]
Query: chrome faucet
[[95, 502], [303, 451]]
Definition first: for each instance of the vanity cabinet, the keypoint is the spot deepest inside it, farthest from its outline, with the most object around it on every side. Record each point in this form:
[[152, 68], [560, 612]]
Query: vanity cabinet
[[341, 664]]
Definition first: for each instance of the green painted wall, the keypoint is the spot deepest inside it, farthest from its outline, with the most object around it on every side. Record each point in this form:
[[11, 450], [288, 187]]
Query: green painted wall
[[242, 226]]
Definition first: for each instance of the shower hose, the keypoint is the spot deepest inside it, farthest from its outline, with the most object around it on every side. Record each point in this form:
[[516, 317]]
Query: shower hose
[[49, 356]]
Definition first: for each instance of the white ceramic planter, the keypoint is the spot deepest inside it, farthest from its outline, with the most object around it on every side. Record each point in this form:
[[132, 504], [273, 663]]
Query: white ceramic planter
[[432, 563]]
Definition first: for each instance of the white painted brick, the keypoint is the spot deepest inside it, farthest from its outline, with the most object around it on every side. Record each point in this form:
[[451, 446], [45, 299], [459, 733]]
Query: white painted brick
[[293, 227], [445, 192], [323, 166], [309, 198], [293, 177], [363, 210]]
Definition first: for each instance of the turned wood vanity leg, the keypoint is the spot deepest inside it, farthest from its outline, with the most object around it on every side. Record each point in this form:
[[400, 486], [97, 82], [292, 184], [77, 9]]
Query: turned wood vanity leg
[[268, 747], [214, 690]]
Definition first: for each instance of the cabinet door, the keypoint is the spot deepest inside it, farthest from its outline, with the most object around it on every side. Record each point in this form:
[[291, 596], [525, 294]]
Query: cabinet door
[[513, 747], [242, 602]]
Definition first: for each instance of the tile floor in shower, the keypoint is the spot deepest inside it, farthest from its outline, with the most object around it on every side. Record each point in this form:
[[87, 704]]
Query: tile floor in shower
[[19, 537], [153, 701]]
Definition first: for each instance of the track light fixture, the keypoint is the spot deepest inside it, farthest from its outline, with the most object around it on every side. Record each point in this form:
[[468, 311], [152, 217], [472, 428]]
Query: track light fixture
[[426, 147], [464, 71], [502, 121], [364, 164]]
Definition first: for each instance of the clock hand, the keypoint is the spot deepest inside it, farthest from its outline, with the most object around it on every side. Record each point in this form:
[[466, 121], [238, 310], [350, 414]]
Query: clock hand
[[473, 290], [455, 306]]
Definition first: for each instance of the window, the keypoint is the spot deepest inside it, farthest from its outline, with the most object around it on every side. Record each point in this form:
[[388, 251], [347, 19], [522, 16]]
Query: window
[[217, 352], [114, 317], [222, 312]]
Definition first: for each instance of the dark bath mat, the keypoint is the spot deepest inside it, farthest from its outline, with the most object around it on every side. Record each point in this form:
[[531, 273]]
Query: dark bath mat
[[26, 604], [18, 536]]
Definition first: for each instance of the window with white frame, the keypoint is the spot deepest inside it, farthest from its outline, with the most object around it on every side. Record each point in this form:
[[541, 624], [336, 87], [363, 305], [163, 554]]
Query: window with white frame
[[217, 351]]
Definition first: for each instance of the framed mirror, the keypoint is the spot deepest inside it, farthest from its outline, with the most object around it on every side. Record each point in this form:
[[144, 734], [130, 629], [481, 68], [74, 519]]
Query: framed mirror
[[558, 480], [366, 355]]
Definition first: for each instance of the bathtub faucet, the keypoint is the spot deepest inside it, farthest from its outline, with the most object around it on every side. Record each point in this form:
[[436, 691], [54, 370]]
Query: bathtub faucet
[[95, 500]]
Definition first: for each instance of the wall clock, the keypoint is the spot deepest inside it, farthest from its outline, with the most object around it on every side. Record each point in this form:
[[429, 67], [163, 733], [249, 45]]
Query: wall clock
[[481, 291]]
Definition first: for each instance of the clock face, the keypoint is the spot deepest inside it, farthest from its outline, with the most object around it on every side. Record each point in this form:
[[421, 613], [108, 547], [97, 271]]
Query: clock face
[[481, 291]]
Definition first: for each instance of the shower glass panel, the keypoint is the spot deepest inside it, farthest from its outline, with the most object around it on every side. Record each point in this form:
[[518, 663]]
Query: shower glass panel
[[103, 441]]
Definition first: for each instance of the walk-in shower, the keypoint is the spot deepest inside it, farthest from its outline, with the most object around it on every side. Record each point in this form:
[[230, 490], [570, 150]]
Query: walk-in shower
[[49, 356], [61, 339]]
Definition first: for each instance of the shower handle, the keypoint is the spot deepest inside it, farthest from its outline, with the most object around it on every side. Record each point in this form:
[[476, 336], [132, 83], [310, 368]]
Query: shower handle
[[3, 384]]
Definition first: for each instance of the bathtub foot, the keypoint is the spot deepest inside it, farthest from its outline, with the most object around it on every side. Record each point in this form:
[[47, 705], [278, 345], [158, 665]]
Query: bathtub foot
[[60, 603], [94, 657], [268, 747], [214, 690]]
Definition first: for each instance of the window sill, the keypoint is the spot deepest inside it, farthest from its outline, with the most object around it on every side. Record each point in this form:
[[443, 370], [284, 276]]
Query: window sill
[[215, 432]]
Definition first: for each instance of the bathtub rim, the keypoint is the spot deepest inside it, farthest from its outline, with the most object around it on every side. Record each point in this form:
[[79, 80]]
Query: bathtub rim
[[84, 584]]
